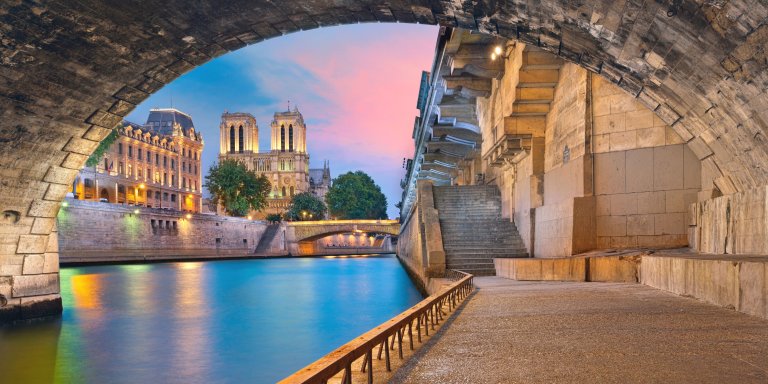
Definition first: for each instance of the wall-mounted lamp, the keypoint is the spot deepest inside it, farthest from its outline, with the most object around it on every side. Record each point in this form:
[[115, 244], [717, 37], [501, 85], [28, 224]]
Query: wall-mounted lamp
[[498, 51]]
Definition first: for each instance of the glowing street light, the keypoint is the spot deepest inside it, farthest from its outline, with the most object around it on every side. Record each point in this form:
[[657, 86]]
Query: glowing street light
[[189, 216], [497, 51], [136, 211]]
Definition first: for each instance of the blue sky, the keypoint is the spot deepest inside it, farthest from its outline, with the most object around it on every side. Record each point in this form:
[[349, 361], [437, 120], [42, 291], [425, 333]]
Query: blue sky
[[356, 86]]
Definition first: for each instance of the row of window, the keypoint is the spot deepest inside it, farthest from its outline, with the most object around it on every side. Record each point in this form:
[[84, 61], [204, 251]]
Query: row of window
[[128, 172], [140, 157]]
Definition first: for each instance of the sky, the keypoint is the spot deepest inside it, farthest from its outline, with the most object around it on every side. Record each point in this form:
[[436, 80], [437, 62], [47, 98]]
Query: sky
[[356, 86]]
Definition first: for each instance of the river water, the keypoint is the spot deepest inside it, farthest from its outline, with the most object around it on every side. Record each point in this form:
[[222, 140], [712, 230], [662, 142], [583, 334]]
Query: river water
[[243, 321]]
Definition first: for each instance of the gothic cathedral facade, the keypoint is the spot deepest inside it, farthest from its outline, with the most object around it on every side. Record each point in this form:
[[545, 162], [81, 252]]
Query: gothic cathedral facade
[[286, 164]]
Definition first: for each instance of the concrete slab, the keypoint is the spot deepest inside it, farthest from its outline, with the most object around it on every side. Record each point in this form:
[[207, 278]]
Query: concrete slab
[[555, 332]]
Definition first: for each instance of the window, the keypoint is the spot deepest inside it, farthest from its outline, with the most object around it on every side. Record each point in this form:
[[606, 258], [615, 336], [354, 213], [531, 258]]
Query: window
[[282, 138], [195, 169], [173, 197], [241, 137], [165, 177], [291, 190], [173, 164], [120, 148], [283, 192], [183, 182], [165, 196], [88, 183], [183, 152], [165, 161], [139, 172], [157, 177], [173, 180], [149, 157], [120, 168], [184, 166], [138, 154], [232, 139], [157, 195], [130, 170], [290, 137], [157, 159], [130, 151], [195, 155]]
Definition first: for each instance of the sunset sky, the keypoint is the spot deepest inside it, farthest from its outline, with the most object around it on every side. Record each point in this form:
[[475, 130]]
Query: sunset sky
[[356, 86]]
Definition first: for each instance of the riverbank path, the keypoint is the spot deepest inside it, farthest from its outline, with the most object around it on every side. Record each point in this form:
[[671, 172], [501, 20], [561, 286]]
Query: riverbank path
[[555, 332]]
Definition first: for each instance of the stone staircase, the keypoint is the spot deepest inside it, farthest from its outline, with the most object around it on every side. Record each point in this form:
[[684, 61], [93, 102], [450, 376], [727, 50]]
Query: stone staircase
[[474, 233], [266, 239]]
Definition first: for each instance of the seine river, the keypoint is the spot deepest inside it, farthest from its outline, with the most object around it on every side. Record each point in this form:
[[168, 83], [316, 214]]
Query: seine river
[[244, 321]]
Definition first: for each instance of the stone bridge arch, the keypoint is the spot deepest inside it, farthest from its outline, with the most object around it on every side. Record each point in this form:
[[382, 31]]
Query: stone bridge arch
[[69, 72], [310, 231]]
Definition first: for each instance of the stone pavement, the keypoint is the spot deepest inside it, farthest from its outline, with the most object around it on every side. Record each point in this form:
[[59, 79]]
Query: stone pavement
[[555, 332]]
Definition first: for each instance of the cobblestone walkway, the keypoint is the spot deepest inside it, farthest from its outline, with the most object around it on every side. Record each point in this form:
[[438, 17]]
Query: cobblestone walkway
[[551, 332]]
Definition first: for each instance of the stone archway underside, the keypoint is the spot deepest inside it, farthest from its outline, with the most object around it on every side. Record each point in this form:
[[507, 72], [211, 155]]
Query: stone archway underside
[[69, 71]]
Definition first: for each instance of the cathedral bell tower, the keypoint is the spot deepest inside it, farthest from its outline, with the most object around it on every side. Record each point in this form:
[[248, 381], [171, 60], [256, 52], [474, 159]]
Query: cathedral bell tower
[[239, 133], [289, 133]]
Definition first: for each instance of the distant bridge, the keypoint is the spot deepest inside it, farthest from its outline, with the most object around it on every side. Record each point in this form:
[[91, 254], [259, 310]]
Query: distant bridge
[[299, 235]]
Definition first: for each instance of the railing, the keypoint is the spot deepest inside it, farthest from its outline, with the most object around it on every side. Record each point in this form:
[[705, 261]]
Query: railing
[[426, 314]]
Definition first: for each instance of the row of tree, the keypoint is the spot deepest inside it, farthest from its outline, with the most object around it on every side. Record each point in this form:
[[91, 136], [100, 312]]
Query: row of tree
[[353, 195]]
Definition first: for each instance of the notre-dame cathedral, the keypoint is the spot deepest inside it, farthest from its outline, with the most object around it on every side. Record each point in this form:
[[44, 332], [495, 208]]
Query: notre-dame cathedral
[[286, 164]]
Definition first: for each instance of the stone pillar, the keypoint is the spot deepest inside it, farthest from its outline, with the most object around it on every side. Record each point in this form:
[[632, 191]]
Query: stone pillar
[[433, 238]]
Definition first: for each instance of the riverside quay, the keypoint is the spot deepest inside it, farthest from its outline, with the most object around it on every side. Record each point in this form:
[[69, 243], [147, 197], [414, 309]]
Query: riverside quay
[[579, 195]]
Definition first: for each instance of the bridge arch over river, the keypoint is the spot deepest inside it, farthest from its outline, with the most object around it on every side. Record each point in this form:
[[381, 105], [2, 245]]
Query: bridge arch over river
[[71, 70], [300, 236]]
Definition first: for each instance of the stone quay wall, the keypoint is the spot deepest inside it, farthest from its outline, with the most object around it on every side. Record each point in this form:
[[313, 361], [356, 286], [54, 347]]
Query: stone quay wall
[[102, 232]]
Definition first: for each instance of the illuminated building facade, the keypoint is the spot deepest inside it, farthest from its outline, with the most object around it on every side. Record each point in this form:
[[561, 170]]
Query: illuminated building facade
[[155, 165], [286, 164]]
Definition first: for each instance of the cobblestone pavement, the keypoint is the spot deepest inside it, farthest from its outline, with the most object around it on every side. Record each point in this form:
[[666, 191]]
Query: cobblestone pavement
[[553, 332]]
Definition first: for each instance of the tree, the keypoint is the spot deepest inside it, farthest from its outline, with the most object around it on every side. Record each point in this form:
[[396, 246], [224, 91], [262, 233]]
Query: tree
[[274, 218], [98, 153], [354, 195], [238, 189], [306, 206]]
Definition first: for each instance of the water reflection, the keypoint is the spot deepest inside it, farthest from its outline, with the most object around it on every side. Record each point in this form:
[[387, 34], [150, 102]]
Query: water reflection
[[222, 322]]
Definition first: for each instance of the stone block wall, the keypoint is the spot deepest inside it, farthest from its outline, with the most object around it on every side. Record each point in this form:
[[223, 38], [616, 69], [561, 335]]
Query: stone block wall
[[642, 196], [90, 231], [731, 224]]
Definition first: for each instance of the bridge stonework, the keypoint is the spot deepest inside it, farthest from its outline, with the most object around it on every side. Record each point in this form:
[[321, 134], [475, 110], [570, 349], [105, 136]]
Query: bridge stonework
[[70, 71], [299, 232]]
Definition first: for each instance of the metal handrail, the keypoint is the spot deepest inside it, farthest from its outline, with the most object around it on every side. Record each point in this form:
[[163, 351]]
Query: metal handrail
[[426, 315]]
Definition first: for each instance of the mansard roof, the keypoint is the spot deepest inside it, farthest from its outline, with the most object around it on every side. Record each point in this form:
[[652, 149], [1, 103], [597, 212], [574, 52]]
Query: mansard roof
[[162, 119]]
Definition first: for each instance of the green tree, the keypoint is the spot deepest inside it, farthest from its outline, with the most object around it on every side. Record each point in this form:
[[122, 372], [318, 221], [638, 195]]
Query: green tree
[[238, 189], [306, 206], [354, 195], [274, 218], [98, 153]]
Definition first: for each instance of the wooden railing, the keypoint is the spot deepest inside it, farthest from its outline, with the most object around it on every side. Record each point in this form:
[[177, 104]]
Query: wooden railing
[[422, 316]]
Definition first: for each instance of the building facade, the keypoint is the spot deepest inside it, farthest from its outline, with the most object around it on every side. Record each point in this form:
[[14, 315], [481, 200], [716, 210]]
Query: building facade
[[286, 164], [155, 165]]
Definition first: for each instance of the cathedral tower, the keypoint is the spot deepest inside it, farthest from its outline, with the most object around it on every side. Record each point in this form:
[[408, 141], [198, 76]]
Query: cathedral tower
[[289, 133], [239, 133]]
